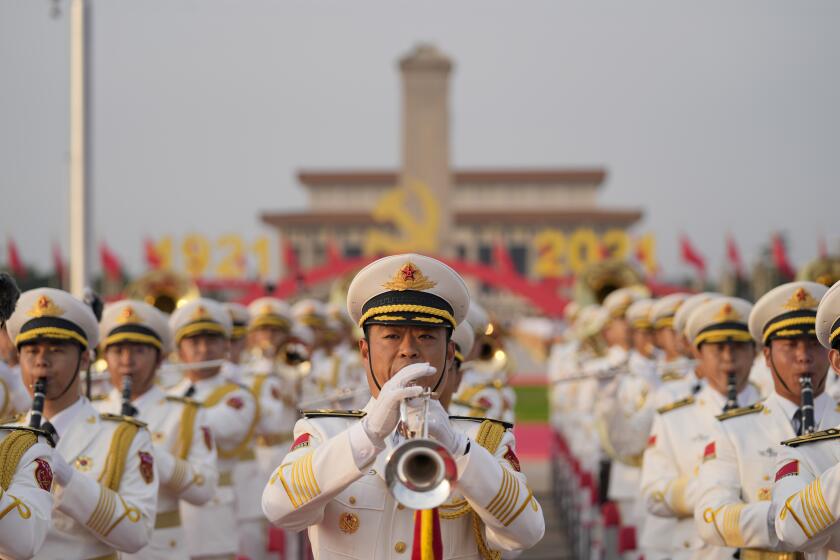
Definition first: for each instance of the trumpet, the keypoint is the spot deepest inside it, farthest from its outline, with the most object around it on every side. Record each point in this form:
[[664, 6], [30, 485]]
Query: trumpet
[[420, 472], [806, 395], [731, 393]]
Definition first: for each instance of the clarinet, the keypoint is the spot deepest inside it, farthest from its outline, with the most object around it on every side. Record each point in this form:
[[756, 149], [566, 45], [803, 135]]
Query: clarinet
[[731, 393], [806, 394], [128, 409], [38, 403]]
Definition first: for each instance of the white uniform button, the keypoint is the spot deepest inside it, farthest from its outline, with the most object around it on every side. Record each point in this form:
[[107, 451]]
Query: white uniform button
[[352, 500]]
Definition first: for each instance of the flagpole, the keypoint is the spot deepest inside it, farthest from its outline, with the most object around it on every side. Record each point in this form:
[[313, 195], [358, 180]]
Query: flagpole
[[80, 132]]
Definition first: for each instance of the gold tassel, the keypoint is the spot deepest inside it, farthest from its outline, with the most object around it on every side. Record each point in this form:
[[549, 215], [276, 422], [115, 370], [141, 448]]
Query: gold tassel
[[112, 472]]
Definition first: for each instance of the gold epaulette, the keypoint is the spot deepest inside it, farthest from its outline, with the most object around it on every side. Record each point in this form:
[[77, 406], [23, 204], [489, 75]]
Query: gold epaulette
[[507, 425], [757, 407], [675, 405], [323, 413], [671, 376], [183, 400], [40, 432], [831, 433], [120, 418]]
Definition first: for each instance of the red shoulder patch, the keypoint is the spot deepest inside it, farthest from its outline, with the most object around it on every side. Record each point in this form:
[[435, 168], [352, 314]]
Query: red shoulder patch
[[710, 452], [235, 402], [789, 469], [301, 441], [651, 441], [208, 437], [485, 402], [43, 475], [147, 466], [511, 458]]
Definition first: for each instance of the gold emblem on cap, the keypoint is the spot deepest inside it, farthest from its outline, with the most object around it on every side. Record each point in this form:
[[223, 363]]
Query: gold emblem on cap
[[409, 277], [801, 299], [348, 523], [200, 313], [128, 315], [45, 307], [727, 313]]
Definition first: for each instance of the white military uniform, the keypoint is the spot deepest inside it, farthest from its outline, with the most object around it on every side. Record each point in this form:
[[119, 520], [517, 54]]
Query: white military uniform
[[25, 500], [231, 414], [93, 519], [739, 465], [351, 514], [13, 396], [186, 458], [671, 464]]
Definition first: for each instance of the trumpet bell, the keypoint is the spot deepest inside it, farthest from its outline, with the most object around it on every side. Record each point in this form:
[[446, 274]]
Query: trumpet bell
[[420, 473]]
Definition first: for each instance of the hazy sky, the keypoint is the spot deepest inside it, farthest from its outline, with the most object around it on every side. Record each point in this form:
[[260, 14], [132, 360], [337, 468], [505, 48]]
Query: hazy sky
[[712, 116]]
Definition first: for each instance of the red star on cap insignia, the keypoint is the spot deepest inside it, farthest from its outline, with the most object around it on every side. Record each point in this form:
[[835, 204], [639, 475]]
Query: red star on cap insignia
[[407, 272]]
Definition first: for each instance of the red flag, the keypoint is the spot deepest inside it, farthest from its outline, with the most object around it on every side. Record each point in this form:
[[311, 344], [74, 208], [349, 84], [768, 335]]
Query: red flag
[[733, 255], [502, 258], [290, 259], [153, 260], [14, 262], [690, 255], [780, 258], [333, 254], [111, 265], [58, 264]]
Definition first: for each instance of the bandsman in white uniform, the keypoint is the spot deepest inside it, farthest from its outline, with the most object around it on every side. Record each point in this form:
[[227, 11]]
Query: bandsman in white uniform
[[332, 481], [676, 371], [103, 464], [135, 339], [239, 317], [739, 463], [464, 338], [806, 495], [681, 430], [25, 472], [201, 329]]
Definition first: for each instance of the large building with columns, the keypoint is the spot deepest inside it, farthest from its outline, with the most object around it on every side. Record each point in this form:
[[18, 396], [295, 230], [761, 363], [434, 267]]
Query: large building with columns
[[429, 206]]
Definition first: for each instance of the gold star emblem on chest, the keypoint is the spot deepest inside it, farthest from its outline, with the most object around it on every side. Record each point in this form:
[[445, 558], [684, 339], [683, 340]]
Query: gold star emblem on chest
[[83, 463]]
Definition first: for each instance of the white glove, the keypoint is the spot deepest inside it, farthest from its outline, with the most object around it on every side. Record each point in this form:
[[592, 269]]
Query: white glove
[[62, 469], [383, 416], [440, 429]]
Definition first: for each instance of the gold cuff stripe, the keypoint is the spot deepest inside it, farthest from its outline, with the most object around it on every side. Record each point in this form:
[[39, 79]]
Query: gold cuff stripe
[[788, 508], [200, 326], [177, 478], [104, 511], [405, 308], [816, 510], [521, 508], [507, 498], [677, 491], [303, 487], [139, 338], [133, 515], [723, 335], [772, 328], [51, 332], [732, 525]]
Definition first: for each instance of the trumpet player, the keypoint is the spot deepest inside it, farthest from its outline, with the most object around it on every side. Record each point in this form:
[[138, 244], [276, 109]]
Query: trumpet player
[[26, 475], [682, 429], [739, 461], [805, 495], [333, 480], [103, 463], [135, 340]]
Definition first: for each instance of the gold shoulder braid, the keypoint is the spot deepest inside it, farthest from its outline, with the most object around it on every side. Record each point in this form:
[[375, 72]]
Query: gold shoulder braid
[[12, 449], [214, 399], [112, 472], [186, 429]]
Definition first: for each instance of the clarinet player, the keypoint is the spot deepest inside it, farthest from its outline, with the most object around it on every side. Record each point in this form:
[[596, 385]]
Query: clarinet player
[[739, 465]]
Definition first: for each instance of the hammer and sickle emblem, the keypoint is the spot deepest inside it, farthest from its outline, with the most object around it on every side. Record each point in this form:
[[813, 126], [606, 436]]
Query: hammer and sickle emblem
[[399, 209]]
